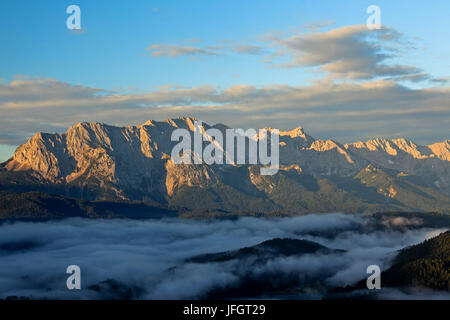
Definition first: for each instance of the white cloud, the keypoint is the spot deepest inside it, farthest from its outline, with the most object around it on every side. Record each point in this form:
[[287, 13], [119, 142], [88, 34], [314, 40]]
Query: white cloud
[[350, 52]]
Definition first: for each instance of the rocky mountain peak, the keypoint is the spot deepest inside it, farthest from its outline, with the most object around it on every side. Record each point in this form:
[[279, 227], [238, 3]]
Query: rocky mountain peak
[[294, 133]]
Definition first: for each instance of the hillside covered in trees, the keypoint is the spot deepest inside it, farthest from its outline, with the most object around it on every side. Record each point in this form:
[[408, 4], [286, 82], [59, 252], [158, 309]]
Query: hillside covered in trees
[[424, 265]]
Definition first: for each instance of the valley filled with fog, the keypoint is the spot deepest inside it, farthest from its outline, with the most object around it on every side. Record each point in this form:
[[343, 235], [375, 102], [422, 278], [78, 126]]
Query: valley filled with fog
[[148, 259]]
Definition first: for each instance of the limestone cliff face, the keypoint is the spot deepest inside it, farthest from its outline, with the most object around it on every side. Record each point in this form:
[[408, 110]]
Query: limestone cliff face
[[180, 175], [316, 156], [99, 161], [394, 147], [441, 150], [431, 163], [124, 161]]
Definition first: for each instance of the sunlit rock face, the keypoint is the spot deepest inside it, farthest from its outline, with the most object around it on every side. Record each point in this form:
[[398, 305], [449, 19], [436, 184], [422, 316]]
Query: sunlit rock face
[[99, 161]]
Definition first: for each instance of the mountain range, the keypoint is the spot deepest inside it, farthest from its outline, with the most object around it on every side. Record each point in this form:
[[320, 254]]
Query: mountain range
[[95, 161]]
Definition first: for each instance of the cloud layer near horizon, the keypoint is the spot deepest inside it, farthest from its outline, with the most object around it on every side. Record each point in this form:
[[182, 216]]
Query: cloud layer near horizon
[[345, 112]]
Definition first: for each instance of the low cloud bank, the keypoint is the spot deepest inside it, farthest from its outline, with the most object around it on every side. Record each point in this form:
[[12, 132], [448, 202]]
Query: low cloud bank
[[150, 254]]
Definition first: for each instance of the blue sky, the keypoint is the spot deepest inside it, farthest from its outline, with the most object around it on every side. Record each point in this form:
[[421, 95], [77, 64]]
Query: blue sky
[[110, 54], [111, 51]]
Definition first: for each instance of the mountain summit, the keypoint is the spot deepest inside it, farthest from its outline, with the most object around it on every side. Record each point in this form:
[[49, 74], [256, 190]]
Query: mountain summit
[[96, 161]]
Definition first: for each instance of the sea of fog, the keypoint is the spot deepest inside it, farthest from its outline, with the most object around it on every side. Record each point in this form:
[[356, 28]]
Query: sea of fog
[[143, 253]]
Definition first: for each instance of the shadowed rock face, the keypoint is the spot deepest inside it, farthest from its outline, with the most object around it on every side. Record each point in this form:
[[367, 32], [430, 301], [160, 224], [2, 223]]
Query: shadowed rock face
[[95, 161]]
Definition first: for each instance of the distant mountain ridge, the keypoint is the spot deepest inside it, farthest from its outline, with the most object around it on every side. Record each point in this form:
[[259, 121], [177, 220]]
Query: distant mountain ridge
[[96, 161], [264, 251]]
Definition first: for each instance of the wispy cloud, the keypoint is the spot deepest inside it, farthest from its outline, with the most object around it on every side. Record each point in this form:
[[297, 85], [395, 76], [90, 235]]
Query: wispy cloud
[[165, 50], [250, 49]]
